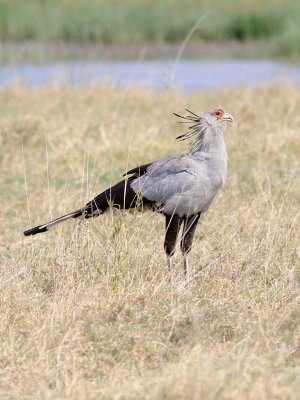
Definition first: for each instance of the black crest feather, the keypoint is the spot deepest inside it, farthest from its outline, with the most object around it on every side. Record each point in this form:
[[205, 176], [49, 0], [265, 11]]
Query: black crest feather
[[193, 119], [197, 128]]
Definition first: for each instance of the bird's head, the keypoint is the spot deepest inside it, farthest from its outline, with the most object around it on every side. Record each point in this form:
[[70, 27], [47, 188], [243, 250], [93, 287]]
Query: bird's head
[[217, 117], [211, 122]]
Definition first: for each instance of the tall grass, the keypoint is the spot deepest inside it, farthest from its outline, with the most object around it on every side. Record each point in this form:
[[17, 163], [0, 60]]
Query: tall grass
[[136, 22], [86, 310]]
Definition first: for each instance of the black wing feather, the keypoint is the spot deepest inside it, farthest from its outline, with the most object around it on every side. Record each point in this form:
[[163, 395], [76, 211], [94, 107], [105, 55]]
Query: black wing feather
[[120, 195], [138, 171]]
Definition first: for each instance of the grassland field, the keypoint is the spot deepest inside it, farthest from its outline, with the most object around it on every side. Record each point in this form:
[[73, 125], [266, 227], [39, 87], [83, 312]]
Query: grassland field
[[86, 309], [133, 22]]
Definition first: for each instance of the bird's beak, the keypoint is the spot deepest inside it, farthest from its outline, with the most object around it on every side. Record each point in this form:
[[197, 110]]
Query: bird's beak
[[228, 117]]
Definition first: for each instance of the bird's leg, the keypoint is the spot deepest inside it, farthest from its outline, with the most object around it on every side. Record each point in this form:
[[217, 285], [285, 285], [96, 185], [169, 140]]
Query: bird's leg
[[189, 227], [185, 264], [173, 223], [170, 267]]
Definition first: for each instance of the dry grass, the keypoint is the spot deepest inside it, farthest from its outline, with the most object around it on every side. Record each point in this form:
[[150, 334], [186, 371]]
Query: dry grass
[[86, 312]]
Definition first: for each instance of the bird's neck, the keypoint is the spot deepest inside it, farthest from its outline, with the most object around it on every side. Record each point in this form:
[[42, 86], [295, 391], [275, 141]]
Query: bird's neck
[[212, 148], [210, 140]]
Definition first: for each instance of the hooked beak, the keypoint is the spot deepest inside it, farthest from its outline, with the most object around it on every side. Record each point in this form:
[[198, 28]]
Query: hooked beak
[[228, 117]]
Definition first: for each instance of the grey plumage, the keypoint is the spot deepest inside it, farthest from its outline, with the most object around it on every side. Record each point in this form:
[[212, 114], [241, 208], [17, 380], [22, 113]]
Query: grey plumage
[[181, 186], [186, 184]]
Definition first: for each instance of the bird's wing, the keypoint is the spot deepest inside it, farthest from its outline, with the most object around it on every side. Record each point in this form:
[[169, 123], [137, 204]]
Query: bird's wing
[[167, 177], [138, 171]]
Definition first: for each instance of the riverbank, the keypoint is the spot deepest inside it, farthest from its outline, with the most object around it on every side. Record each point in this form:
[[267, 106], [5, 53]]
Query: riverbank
[[36, 52]]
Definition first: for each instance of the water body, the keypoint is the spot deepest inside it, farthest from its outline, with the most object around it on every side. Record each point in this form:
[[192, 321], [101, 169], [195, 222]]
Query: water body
[[187, 75]]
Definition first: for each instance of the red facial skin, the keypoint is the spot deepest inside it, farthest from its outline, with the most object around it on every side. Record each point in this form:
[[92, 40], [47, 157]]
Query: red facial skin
[[218, 113]]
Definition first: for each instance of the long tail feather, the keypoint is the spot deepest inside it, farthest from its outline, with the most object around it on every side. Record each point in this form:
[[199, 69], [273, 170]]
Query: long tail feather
[[46, 227], [121, 196]]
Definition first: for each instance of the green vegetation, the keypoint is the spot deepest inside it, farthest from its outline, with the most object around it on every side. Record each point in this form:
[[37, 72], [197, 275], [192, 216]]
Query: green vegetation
[[137, 22], [86, 309]]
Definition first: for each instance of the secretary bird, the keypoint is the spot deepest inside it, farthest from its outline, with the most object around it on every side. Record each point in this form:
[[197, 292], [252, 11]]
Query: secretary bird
[[180, 186]]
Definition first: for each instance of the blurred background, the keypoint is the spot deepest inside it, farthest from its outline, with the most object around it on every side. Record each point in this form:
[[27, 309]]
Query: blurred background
[[150, 42]]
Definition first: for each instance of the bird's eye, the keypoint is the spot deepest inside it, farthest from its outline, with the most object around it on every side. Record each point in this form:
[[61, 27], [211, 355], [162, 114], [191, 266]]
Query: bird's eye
[[218, 113]]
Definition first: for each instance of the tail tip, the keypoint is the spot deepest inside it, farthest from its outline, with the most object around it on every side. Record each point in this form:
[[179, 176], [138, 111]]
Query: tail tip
[[35, 230]]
